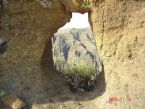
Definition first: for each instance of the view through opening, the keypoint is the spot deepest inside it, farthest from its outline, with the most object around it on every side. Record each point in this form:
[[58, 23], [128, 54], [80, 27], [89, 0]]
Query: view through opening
[[75, 53], [77, 21]]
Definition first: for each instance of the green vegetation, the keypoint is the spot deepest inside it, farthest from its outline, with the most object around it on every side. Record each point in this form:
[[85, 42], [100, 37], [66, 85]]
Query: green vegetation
[[2, 93], [85, 4], [83, 69], [81, 77]]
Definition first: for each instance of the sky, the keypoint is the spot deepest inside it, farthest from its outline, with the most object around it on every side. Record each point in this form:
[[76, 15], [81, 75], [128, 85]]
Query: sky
[[77, 21]]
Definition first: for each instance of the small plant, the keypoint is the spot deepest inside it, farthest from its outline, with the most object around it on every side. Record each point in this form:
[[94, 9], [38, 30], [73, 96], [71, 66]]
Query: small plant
[[2, 93], [83, 69], [85, 4], [81, 78]]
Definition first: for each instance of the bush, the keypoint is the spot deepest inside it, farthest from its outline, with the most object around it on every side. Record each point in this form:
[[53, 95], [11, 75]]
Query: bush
[[81, 77], [82, 69]]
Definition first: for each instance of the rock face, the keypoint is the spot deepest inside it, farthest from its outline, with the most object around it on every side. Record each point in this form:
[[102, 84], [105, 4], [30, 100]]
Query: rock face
[[118, 26], [74, 6], [75, 47], [75, 55], [14, 102], [27, 67], [119, 29]]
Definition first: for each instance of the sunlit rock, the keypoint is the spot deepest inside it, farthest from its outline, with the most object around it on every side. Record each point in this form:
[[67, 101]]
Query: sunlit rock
[[75, 55]]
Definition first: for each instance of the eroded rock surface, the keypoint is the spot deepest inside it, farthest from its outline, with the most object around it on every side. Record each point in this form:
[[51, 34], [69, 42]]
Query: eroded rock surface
[[118, 26], [13, 102], [119, 29], [74, 6]]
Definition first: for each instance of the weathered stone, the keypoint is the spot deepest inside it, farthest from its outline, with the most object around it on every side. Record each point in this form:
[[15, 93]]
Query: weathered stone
[[74, 6], [119, 29], [28, 27], [13, 102]]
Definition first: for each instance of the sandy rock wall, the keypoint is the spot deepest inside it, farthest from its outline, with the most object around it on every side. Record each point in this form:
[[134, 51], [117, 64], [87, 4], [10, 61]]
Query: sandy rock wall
[[74, 6], [119, 29], [118, 26], [27, 65], [27, 25]]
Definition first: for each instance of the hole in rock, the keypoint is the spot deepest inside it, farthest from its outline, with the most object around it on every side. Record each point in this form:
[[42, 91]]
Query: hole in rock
[[3, 46], [75, 53]]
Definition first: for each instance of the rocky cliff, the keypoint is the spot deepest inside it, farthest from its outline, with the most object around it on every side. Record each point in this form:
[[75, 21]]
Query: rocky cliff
[[75, 55], [119, 29], [75, 47], [27, 68]]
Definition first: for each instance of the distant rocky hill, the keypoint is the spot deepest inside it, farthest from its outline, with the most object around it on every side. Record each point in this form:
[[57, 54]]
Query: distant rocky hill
[[75, 47], [75, 55]]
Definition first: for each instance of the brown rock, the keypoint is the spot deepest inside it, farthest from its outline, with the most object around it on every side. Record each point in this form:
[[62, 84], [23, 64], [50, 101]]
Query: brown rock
[[13, 101], [74, 6], [119, 29]]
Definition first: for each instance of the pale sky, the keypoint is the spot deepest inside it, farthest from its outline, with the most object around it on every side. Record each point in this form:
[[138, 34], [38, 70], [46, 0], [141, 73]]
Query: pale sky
[[77, 21]]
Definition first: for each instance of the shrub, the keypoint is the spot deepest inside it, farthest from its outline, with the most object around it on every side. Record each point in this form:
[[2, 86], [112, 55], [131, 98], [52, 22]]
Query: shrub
[[83, 69], [81, 77]]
